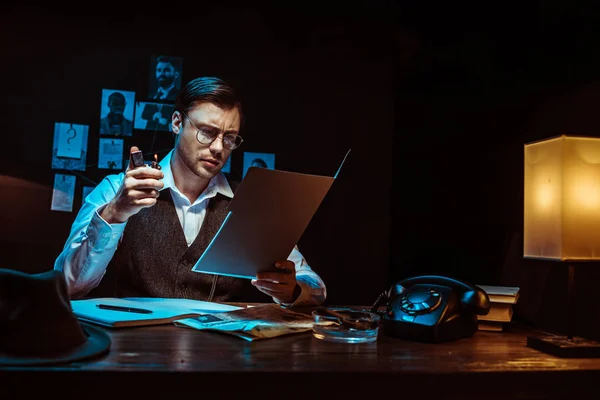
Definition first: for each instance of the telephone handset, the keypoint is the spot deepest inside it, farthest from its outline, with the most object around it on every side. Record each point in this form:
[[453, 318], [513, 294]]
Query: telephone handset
[[432, 308]]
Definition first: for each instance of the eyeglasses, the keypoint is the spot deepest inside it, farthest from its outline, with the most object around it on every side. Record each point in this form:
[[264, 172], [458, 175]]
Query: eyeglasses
[[231, 141]]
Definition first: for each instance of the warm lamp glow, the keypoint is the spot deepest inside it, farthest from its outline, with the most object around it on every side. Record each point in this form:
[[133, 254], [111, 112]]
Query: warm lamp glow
[[562, 199], [562, 221]]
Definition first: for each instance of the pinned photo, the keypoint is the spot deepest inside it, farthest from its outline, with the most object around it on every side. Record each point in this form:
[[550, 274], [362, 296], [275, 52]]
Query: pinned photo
[[227, 167], [86, 190], [165, 78], [153, 116], [117, 112], [260, 160]]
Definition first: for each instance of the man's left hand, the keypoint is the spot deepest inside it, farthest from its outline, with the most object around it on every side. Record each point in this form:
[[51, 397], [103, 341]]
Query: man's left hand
[[279, 283]]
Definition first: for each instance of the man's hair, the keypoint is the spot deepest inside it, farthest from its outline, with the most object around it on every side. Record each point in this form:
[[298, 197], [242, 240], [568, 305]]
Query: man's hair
[[208, 89], [259, 162], [168, 60], [115, 95]]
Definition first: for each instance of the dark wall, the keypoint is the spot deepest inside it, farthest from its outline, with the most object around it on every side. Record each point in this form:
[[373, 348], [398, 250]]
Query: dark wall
[[436, 103], [482, 82], [313, 85]]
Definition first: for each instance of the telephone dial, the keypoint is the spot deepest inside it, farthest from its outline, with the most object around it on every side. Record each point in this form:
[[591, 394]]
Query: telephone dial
[[432, 308]]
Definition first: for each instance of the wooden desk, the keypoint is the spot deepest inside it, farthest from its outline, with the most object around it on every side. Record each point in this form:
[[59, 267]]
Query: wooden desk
[[166, 361]]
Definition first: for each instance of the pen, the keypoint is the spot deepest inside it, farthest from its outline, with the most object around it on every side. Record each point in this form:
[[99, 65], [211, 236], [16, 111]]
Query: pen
[[125, 309]]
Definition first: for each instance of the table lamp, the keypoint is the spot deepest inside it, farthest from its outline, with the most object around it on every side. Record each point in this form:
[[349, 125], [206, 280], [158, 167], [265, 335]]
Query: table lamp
[[562, 221]]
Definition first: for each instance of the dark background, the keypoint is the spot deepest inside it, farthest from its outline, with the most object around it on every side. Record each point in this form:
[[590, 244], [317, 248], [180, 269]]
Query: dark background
[[435, 100]]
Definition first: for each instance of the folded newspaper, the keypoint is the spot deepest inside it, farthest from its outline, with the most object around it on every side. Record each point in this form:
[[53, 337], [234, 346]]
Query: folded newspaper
[[252, 323]]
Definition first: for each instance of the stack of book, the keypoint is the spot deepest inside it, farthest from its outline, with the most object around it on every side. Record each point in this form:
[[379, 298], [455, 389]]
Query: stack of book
[[502, 300]]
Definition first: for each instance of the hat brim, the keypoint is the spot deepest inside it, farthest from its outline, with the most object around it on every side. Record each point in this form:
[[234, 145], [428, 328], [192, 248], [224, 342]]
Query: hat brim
[[97, 343]]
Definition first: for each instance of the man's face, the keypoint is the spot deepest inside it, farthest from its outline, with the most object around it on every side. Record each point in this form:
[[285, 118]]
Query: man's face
[[165, 74], [116, 105], [205, 160]]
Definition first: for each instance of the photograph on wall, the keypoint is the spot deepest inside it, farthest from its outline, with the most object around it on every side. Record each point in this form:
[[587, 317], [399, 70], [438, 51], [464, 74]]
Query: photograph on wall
[[227, 167], [153, 116], [262, 160], [85, 191], [164, 77], [69, 148], [110, 153], [116, 112], [63, 192]]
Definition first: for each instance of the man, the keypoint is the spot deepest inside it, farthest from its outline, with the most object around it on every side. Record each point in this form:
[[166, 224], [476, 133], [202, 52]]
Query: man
[[166, 77], [115, 123], [131, 242]]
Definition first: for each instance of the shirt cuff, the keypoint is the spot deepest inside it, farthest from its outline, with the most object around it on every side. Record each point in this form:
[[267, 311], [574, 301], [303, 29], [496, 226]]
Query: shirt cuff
[[306, 297], [103, 235]]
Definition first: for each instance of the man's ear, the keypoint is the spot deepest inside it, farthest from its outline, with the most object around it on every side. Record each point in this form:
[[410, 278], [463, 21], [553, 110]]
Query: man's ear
[[176, 122]]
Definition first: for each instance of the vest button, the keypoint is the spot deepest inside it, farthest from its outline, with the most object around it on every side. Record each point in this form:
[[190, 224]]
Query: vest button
[[185, 262]]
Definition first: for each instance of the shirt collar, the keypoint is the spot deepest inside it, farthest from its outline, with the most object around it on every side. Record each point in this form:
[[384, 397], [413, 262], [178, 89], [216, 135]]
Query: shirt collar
[[218, 184]]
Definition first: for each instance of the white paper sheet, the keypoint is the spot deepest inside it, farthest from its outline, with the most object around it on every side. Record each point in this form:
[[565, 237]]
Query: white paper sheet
[[69, 140], [63, 192], [270, 211], [68, 152], [110, 153]]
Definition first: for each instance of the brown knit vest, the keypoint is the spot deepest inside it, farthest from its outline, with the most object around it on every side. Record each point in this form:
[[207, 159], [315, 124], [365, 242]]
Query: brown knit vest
[[153, 259]]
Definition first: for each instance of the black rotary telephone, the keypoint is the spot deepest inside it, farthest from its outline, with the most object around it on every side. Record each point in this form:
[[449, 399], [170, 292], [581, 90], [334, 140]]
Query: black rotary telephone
[[432, 308]]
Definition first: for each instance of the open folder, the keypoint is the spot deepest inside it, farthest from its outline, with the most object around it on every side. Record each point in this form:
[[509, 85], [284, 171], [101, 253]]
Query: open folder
[[266, 218], [142, 311]]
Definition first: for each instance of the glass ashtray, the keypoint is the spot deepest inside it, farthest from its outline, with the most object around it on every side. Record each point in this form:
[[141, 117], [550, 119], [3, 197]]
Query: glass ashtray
[[345, 326]]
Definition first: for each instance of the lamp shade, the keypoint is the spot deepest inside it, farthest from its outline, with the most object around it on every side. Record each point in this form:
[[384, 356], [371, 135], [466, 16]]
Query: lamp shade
[[562, 199]]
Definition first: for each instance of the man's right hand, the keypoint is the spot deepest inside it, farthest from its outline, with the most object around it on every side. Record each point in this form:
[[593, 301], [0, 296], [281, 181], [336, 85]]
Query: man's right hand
[[139, 189]]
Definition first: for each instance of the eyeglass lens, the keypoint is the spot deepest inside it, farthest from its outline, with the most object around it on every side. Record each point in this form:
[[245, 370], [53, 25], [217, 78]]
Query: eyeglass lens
[[230, 141]]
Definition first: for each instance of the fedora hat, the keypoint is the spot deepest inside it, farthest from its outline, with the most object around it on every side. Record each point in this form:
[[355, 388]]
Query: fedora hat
[[37, 324]]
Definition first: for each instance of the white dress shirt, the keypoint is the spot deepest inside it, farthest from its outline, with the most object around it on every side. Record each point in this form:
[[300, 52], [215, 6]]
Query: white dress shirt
[[92, 241]]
